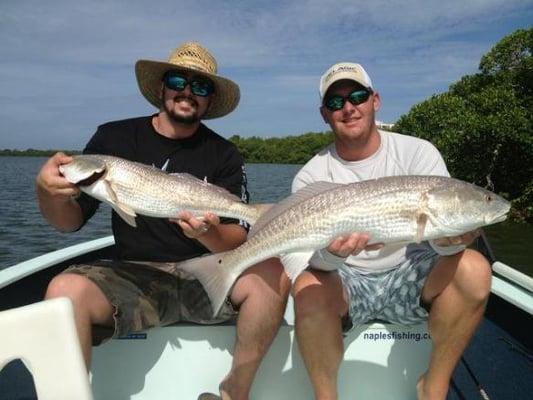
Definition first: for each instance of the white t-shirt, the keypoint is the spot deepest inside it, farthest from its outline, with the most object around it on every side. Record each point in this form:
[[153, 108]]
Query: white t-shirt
[[397, 155]]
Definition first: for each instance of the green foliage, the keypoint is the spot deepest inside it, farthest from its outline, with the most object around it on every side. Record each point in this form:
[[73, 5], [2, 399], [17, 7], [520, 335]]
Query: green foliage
[[287, 150], [523, 206], [34, 152], [512, 53], [483, 125]]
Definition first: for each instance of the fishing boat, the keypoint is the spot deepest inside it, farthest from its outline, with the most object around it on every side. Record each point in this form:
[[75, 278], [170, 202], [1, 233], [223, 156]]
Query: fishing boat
[[180, 361]]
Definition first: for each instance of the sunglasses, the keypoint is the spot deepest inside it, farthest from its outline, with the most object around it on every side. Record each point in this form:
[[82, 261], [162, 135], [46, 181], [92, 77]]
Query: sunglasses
[[356, 97], [199, 86]]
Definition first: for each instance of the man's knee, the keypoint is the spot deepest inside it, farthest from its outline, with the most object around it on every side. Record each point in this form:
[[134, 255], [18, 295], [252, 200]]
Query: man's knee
[[266, 280], [271, 273], [318, 292], [473, 276], [73, 286]]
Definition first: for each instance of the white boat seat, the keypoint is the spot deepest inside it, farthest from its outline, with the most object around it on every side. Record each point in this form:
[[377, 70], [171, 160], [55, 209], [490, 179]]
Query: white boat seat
[[43, 335]]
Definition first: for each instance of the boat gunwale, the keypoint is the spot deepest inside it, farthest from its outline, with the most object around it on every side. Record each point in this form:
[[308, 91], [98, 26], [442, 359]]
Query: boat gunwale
[[21, 270], [507, 283]]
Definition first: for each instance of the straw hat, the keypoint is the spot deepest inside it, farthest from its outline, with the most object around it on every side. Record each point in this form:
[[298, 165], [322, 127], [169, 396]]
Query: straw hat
[[189, 56]]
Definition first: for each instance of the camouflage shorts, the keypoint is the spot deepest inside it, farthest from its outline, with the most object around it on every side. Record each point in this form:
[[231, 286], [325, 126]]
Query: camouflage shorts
[[149, 294], [392, 296]]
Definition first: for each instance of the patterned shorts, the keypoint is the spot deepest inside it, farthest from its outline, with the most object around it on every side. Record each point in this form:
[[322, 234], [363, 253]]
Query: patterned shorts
[[149, 294], [392, 296]]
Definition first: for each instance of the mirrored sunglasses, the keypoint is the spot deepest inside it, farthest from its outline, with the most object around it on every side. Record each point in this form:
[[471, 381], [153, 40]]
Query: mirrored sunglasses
[[356, 97], [199, 86]]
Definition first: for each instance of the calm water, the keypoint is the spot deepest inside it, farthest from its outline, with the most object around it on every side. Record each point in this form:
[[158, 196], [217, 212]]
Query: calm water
[[25, 234]]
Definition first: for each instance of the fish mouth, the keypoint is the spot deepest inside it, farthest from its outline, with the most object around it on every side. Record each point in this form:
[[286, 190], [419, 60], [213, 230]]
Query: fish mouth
[[498, 218], [84, 170]]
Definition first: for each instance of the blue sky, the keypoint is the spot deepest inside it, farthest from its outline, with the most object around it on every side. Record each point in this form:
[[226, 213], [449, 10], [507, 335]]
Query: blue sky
[[67, 66]]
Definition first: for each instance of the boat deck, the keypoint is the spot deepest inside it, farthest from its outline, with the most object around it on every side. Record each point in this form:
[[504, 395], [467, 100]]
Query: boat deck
[[161, 363], [496, 362]]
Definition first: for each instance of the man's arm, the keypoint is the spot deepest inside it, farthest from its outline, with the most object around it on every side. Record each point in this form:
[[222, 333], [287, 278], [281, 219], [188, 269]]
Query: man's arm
[[209, 230], [55, 195]]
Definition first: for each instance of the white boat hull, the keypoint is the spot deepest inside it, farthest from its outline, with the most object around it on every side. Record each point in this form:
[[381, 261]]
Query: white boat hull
[[380, 361], [185, 360]]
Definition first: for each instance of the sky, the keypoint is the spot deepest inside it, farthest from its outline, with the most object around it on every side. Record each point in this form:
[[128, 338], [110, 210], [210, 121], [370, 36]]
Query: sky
[[68, 66]]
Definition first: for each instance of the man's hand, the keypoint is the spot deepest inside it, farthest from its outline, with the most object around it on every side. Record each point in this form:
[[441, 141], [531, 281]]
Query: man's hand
[[465, 239], [194, 227], [55, 194], [51, 183], [343, 246]]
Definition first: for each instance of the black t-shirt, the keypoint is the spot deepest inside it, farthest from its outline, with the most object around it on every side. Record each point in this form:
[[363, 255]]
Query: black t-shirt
[[205, 155]]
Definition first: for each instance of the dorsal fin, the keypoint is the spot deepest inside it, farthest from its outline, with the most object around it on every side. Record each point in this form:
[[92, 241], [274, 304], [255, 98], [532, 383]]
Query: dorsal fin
[[300, 196]]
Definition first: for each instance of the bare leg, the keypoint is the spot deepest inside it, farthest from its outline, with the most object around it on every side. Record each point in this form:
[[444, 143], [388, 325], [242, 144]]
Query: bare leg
[[261, 294], [458, 289], [90, 306], [319, 306]]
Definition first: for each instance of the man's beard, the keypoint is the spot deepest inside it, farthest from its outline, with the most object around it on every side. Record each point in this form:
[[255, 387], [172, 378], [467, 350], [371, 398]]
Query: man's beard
[[183, 119]]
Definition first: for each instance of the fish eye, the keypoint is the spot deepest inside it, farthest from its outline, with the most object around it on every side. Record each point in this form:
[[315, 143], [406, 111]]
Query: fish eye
[[488, 197]]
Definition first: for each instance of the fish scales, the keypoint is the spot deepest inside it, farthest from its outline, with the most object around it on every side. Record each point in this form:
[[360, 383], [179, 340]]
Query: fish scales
[[384, 212], [391, 210], [154, 188], [132, 188]]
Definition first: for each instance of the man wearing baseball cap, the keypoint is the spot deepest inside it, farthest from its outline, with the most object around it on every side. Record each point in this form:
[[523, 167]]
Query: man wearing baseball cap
[[134, 291], [440, 281]]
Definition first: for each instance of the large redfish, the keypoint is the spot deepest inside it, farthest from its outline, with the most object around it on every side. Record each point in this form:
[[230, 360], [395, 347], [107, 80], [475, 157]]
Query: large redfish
[[390, 210], [133, 188]]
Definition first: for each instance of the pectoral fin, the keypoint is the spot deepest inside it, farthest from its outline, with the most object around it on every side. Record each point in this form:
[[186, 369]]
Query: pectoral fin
[[421, 222], [295, 263], [125, 212], [130, 219]]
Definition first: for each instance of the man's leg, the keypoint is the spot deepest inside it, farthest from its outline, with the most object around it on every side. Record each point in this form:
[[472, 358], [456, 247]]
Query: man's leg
[[319, 306], [457, 289], [90, 306], [260, 294]]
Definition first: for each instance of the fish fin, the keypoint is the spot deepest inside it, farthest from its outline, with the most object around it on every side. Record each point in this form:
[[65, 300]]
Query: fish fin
[[434, 218], [130, 219], [295, 263], [214, 277], [125, 212], [421, 221], [301, 195]]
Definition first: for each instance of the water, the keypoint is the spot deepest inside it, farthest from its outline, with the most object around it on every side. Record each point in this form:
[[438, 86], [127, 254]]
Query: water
[[25, 234]]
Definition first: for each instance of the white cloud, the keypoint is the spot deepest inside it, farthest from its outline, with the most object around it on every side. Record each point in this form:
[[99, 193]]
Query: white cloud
[[75, 60]]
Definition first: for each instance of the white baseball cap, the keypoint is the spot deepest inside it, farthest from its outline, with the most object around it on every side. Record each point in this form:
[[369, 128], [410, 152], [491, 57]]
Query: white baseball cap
[[344, 70]]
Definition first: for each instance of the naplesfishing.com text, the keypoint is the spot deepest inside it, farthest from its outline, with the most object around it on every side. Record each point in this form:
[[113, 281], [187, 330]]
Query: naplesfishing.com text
[[415, 336]]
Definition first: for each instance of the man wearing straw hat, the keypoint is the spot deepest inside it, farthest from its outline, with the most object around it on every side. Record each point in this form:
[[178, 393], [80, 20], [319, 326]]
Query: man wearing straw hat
[[113, 298]]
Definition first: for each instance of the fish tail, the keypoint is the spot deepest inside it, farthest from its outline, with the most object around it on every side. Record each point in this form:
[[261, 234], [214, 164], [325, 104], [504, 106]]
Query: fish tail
[[216, 280], [256, 211]]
